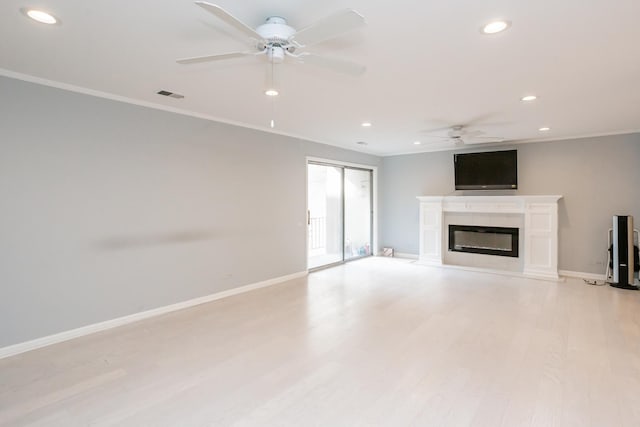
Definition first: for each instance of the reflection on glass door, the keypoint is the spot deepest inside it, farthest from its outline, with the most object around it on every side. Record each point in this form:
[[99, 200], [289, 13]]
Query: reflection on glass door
[[324, 215], [357, 213]]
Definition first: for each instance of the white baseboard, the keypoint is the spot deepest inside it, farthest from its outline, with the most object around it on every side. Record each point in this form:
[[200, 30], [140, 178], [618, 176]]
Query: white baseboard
[[14, 349], [581, 275], [405, 255]]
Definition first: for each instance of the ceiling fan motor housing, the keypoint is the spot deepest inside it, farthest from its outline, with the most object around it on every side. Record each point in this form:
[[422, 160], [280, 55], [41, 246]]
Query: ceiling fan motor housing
[[275, 54], [456, 131], [275, 31]]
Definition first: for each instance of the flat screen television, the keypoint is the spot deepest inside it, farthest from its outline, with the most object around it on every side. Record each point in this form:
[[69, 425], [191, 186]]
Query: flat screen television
[[494, 170]]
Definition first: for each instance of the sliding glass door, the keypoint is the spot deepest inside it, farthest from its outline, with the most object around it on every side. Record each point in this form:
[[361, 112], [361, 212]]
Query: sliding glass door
[[324, 215], [339, 213], [357, 213]]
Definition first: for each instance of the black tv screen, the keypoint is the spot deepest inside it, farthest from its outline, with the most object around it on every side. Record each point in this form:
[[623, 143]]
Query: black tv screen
[[495, 170]]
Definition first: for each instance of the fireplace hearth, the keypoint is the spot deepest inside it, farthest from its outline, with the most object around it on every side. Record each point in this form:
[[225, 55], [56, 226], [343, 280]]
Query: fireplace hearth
[[500, 241]]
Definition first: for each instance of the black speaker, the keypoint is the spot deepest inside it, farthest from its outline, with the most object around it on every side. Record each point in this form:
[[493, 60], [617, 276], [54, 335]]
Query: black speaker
[[623, 252]]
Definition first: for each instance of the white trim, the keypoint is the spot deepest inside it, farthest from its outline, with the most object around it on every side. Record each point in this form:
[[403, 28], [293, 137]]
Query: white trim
[[405, 255], [156, 106], [106, 95], [340, 162], [581, 275], [14, 349], [306, 214], [425, 149], [374, 201], [581, 136], [494, 271], [374, 239]]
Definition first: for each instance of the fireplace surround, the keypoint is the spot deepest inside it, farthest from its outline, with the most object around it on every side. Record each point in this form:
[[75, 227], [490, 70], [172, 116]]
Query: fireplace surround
[[536, 216]]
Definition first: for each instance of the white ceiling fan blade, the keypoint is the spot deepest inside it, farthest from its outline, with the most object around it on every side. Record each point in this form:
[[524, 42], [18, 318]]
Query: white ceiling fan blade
[[474, 134], [481, 119], [482, 140], [494, 138], [436, 130], [443, 140], [229, 19], [338, 65], [329, 27], [207, 58]]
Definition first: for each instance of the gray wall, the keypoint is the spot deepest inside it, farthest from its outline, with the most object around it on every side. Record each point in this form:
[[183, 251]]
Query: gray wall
[[598, 177], [109, 209]]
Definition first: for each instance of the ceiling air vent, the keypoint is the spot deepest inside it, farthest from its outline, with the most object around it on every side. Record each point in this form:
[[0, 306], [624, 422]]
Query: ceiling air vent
[[170, 94]]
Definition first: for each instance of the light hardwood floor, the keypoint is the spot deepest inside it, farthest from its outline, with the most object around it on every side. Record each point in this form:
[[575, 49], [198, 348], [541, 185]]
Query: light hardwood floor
[[374, 342]]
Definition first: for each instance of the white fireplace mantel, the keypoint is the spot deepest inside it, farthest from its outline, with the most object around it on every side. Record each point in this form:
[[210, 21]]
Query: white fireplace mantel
[[540, 233]]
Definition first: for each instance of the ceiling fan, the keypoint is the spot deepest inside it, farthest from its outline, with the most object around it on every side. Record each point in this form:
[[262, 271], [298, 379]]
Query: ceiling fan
[[276, 40], [461, 135]]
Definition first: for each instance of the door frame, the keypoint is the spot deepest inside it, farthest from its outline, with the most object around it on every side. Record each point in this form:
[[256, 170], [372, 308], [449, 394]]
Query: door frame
[[374, 200]]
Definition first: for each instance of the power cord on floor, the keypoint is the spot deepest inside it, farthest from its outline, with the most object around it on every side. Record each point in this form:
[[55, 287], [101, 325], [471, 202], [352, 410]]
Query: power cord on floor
[[606, 274], [594, 282]]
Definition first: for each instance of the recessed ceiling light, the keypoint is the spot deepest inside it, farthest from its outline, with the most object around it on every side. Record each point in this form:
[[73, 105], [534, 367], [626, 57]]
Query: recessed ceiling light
[[271, 92], [496, 27], [528, 98], [366, 124], [361, 143], [417, 143], [544, 129], [40, 16]]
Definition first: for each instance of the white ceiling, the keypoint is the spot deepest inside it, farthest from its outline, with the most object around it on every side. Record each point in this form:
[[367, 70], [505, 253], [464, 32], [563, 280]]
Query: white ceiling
[[428, 65]]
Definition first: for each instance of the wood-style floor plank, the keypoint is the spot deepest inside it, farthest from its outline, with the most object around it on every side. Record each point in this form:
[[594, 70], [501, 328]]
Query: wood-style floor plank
[[376, 342]]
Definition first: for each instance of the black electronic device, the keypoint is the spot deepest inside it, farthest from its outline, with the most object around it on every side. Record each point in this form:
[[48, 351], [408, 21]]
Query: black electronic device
[[494, 170], [623, 259]]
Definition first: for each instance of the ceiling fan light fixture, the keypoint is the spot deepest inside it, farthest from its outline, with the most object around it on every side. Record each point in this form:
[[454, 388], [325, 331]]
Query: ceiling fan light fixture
[[271, 92], [495, 27], [41, 16]]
